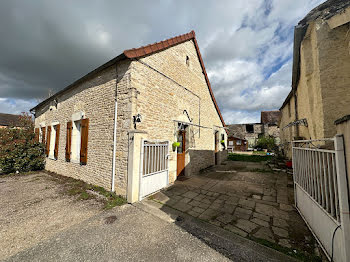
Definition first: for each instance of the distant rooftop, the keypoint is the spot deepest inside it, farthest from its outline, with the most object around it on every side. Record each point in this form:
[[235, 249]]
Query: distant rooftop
[[270, 117], [9, 120]]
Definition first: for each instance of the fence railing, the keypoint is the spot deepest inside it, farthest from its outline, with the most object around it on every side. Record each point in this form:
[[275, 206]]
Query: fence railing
[[154, 157], [321, 193], [316, 174]]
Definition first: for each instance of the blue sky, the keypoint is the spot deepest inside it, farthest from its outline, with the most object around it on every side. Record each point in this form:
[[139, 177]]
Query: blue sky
[[246, 45]]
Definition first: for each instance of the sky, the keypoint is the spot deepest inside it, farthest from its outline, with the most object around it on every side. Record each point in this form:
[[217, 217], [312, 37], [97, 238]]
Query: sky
[[247, 45]]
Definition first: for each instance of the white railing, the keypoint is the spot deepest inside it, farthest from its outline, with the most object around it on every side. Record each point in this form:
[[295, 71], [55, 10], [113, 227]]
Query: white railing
[[321, 193], [155, 155]]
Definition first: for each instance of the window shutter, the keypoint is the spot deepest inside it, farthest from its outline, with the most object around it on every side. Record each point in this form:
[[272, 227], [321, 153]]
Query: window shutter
[[43, 134], [57, 140], [84, 130], [68, 140], [36, 132], [48, 140]]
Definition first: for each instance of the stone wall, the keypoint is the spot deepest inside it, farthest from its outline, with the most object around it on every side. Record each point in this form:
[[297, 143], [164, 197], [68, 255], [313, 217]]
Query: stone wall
[[323, 89], [166, 86], [95, 98]]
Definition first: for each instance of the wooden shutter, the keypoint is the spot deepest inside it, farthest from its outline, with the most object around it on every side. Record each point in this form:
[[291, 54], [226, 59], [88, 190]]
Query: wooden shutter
[[36, 133], [43, 134], [48, 140], [57, 139], [84, 130], [68, 140]]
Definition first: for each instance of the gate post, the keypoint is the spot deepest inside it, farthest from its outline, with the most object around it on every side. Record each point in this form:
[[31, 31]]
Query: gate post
[[343, 195]]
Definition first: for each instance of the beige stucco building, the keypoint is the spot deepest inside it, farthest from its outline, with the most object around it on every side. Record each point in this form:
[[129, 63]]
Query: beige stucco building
[[158, 94], [320, 84]]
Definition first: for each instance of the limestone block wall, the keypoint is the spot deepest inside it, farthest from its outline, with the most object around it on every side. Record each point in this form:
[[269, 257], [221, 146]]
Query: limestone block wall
[[166, 86], [95, 98]]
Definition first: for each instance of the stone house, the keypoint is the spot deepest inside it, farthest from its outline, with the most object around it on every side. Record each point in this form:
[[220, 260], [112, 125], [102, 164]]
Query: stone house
[[236, 144], [320, 80], [268, 126], [137, 122]]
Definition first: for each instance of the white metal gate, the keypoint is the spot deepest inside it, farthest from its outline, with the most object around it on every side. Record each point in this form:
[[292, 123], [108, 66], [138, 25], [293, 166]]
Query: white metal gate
[[154, 174], [321, 193]]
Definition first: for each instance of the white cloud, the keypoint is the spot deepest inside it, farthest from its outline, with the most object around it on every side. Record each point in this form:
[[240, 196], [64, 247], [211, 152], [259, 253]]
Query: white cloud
[[15, 106]]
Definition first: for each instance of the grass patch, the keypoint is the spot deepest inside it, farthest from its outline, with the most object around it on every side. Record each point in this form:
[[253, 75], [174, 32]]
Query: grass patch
[[248, 158], [262, 153], [79, 188], [300, 255]]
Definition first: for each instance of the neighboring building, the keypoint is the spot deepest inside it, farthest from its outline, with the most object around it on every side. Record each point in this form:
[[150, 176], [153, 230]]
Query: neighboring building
[[160, 94], [320, 82], [250, 133], [9, 120], [236, 144]]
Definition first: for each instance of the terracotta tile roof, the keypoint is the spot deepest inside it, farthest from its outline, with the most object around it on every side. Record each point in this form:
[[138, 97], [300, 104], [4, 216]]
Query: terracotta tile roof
[[140, 52], [9, 120], [270, 117], [159, 46]]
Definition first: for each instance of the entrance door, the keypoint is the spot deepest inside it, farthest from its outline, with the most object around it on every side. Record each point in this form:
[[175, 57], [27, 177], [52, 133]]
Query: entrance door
[[216, 137], [181, 138]]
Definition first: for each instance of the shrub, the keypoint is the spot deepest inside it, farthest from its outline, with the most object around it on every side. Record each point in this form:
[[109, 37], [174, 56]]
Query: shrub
[[18, 149], [266, 142]]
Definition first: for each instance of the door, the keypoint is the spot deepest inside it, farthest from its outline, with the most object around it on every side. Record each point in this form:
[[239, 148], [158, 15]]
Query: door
[[181, 138]]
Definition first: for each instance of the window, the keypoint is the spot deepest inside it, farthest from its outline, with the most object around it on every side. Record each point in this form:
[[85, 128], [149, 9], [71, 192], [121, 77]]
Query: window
[[249, 128], [289, 110], [238, 142], [187, 60], [230, 143], [76, 140], [52, 142], [53, 133]]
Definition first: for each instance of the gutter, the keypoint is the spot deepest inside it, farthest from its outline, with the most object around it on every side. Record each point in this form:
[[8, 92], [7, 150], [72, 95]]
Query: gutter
[[115, 133]]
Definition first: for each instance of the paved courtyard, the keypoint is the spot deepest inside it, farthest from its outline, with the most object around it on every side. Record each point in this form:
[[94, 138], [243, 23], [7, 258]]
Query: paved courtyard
[[245, 198]]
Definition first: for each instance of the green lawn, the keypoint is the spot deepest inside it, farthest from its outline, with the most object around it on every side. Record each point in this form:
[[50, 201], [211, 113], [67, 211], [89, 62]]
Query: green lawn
[[248, 158]]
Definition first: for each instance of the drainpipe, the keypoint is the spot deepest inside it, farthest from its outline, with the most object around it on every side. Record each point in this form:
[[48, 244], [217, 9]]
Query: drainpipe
[[114, 134]]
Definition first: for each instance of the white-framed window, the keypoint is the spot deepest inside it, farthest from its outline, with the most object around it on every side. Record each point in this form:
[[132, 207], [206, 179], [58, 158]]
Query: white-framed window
[[230, 143], [52, 142], [76, 140], [239, 142]]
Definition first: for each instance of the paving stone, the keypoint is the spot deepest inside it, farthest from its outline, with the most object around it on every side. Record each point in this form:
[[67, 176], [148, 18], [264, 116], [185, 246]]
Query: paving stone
[[247, 203], [216, 194], [192, 213], [275, 204], [195, 203], [236, 230], [242, 213], [208, 214], [232, 200], [280, 232], [269, 198], [190, 194], [284, 242], [226, 218], [206, 201], [245, 225], [199, 197], [210, 193], [203, 191], [198, 210], [280, 214], [218, 201], [285, 207], [203, 205], [260, 222], [185, 200], [280, 222], [216, 223], [228, 208], [261, 216], [265, 233], [216, 206], [224, 197], [256, 196], [264, 209], [184, 207]]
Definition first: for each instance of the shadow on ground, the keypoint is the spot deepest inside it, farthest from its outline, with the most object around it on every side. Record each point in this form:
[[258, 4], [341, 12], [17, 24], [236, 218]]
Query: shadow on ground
[[247, 199]]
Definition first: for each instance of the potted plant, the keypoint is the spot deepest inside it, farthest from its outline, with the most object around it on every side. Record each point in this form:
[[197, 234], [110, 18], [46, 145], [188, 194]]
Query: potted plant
[[175, 145]]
